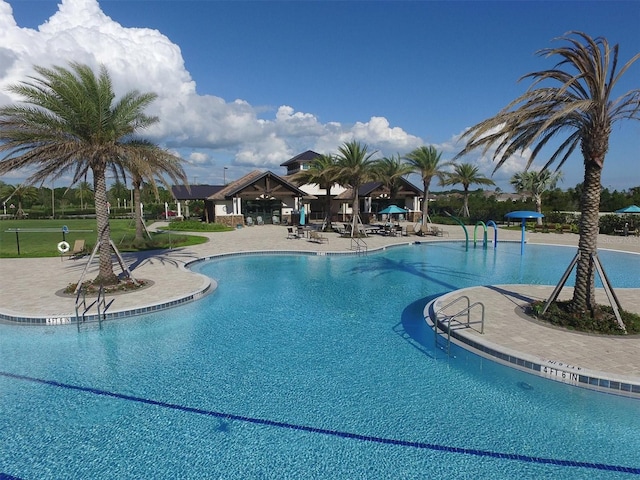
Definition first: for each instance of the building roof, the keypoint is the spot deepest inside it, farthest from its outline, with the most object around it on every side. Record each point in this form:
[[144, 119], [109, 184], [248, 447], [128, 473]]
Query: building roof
[[368, 189], [303, 157], [258, 184], [194, 192]]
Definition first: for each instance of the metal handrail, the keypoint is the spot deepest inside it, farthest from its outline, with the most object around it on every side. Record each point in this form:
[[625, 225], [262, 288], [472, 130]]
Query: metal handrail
[[465, 311], [360, 244]]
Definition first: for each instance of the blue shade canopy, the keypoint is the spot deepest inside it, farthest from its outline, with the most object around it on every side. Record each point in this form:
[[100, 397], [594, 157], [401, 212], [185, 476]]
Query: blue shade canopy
[[521, 214], [391, 209], [629, 209]]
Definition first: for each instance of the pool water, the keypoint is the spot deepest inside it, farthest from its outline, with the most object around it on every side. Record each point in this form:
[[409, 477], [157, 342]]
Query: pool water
[[303, 366]]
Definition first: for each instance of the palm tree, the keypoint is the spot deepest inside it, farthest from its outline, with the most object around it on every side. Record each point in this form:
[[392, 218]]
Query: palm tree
[[536, 183], [466, 175], [576, 97], [19, 194], [83, 190], [323, 172], [425, 161], [389, 171], [148, 162], [354, 169], [72, 123]]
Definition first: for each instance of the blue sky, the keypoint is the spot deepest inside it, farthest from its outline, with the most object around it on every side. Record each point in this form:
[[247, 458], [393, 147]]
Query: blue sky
[[250, 84]]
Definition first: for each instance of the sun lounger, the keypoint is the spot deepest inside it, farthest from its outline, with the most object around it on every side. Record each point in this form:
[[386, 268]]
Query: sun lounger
[[78, 250], [317, 237]]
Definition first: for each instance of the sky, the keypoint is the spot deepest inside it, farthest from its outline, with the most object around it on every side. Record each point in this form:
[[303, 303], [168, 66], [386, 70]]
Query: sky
[[248, 85]]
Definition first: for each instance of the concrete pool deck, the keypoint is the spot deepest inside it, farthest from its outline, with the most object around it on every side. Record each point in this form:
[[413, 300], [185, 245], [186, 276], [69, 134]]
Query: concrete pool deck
[[31, 291]]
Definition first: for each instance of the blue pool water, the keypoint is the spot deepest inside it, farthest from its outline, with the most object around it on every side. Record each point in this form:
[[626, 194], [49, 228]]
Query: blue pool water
[[308, 367]]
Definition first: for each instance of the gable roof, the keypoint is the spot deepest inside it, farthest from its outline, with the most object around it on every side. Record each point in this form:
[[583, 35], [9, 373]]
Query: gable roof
[[303, 157], [258, 183]]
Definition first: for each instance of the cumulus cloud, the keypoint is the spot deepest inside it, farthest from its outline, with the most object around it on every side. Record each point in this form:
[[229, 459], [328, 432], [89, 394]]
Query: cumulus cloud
[[146, 60]]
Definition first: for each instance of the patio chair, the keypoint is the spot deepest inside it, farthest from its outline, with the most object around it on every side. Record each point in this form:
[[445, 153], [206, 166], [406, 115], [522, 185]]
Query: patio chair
[[249, 222], [78, 250], [259, 220], [291, 233]]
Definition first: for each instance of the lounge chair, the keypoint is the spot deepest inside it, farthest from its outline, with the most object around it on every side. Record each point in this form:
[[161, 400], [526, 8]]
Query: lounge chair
[[317, 237], [291, 233], [78, 250]]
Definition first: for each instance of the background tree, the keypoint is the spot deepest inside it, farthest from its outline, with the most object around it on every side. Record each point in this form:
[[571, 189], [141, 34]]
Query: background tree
[[389, 171], [354, 169], [536, 183], [425, 161], [70, 122], [574, 97], [466, 175], [19, 195], [322, 171], [83, 190]]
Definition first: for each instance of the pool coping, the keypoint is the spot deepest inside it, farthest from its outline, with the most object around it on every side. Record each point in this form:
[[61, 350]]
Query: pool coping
[[550, 369]]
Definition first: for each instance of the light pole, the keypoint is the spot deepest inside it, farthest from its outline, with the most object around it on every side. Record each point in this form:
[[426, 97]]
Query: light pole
[[224, 175], [53, 201]]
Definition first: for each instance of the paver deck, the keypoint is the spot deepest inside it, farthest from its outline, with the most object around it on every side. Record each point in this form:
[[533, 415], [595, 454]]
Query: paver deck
[[31, 289]]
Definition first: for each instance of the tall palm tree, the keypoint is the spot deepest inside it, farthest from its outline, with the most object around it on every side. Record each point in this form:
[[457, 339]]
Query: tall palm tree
[[323, 172], [389, 171], [71, 122], [536, 183], [150, 163], [575, 97], [355, 165], [466, 174], [425, 161]]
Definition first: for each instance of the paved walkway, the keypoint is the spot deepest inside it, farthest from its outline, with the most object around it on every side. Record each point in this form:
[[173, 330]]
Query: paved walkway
[[31, 289]]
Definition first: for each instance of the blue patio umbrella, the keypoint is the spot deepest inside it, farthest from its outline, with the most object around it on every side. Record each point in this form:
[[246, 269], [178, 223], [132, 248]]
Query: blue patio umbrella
[[302, 215], [392, 209], [523, 215], [629, 209]]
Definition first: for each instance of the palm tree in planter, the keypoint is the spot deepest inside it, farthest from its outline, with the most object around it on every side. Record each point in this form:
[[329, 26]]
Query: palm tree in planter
[[323, 172], [575, 97], [18, 194], [536, 183], [70, 122], [148, 163], [466, 175], [355, 167], [425, 161]]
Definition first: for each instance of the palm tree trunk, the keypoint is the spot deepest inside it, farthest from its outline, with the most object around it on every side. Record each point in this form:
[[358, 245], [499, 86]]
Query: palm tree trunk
[[584, 291], [328, 207], [538, 199], [465, 205], [425, 208], [137, 183], [105, 274], [355, 211]]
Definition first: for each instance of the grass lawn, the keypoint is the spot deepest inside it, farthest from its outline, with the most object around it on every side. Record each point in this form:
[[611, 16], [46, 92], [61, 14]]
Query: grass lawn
[[43, 243]]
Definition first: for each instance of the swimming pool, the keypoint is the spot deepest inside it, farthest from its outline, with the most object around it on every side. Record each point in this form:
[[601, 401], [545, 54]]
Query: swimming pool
[[303, 366]]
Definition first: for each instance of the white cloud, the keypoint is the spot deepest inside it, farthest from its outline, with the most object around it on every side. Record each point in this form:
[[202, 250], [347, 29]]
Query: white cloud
[[146, 60]]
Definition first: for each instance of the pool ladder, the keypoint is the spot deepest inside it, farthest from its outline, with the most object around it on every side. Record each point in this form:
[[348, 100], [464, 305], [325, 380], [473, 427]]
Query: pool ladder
[[452, 322], [359, 245], [100, 302]]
